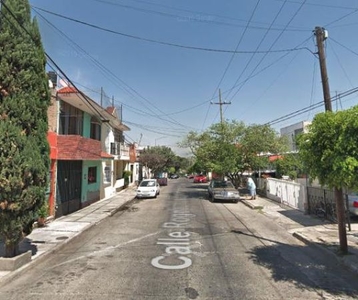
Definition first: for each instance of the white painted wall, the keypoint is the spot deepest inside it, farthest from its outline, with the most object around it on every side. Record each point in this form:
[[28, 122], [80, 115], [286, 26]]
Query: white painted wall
[[284, 191]]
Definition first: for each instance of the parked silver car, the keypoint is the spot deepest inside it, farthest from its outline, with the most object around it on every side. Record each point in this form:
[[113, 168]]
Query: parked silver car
[[353, 203], [223, 190]]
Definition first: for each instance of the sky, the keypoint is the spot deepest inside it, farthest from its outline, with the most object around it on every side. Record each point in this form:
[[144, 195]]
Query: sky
[[165, 62]]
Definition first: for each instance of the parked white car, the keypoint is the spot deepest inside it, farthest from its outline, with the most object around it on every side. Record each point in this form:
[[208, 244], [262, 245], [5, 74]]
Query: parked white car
[[148, 188], [353, 203]]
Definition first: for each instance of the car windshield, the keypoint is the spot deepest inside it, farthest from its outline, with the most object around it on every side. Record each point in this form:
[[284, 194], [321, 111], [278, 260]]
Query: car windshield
[[147, 183], [223, 184]]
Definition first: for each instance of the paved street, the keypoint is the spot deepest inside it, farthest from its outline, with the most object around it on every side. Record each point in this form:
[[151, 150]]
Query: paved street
[[182, 246]]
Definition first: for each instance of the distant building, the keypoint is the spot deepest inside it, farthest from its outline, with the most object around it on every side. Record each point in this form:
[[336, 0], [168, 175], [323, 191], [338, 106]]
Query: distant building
[[293, 131]]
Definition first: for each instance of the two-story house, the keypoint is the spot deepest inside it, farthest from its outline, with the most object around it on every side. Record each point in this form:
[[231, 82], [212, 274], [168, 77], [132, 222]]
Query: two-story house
[[88, 153]]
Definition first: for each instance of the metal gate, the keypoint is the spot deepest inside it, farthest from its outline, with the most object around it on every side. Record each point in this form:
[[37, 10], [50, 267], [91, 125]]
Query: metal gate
[[321, 203], [69, 181]]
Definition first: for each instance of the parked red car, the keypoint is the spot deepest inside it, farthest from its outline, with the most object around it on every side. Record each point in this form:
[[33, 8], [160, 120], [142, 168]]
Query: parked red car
[[200, 179]]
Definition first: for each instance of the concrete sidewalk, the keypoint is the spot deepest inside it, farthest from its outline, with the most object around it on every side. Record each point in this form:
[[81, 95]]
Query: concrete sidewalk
[[44, 241], [310, 229]]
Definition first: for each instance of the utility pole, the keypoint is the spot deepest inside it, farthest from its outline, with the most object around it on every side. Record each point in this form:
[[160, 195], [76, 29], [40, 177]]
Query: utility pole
[[321, 36], [101, 96], [221, 104]]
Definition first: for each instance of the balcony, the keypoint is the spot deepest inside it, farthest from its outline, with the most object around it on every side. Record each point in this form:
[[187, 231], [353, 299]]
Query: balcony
[[120, 151]]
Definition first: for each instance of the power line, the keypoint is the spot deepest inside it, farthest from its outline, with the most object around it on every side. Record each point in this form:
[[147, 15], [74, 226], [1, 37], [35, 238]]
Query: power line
[[341, 18], [156, 41], [311, 107], [258, 46], [340, 64], [273, 43], [87, 101], [126, 86], [196, 16], [320, 5], [237, 46], [340, 44]]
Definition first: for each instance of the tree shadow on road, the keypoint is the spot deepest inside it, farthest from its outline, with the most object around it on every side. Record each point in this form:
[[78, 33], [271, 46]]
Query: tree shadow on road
[[304, 266]]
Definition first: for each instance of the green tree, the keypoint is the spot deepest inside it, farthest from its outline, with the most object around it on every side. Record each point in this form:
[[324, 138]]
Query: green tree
[[24, 100], [157, 158], [329, 152], [231, 148], [289, 164], [260, 139]]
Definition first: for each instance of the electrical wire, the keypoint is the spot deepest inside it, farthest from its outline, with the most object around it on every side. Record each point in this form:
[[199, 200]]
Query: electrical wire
[[341, 18], [195, 16], [259, 45], [87, 101], [340, 44], [313, 84], [272, 45], [233, 55], [340, 64], [156, 41], [311, 107], [320, 5], [127, 88]]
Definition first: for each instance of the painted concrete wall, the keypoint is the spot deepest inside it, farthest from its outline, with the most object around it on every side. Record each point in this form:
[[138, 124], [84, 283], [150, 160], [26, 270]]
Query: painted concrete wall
[[86, 125], [91, 191], [283, 191]]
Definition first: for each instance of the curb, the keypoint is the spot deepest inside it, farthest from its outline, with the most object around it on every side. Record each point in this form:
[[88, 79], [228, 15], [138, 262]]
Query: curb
[[252, 205], [42, 257], [12, 275], [342, 260]]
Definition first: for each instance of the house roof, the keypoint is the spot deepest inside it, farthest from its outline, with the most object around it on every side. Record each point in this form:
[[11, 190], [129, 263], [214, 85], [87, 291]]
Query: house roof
[[274, 157], [67, 89], [75, 147]]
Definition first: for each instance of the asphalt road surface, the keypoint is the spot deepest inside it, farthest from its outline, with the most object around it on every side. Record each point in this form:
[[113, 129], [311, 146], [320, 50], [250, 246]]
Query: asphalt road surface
[[182, 246]]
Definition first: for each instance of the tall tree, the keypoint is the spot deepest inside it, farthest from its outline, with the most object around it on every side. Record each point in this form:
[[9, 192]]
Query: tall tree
[[260, 139], [158, 158], [329, 152], [24, 100], [288, 164], [231, 148]]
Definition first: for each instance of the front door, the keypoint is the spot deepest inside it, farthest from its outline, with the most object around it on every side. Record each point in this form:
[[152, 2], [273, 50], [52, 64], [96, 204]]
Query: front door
[[69, 181]]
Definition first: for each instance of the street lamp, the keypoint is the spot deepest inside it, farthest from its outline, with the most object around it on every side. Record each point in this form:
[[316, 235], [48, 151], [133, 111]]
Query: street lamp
[[159, 138]]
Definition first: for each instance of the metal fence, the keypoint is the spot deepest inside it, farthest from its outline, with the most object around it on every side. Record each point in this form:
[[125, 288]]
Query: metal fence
[[321, 202]]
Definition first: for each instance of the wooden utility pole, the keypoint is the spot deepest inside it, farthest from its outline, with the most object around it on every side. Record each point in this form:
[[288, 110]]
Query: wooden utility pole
[[321, 36], [221, 104]]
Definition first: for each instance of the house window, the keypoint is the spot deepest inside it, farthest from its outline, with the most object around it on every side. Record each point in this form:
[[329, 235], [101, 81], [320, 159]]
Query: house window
[[107, 174], [95, 129], [71, 119], [92, 175]]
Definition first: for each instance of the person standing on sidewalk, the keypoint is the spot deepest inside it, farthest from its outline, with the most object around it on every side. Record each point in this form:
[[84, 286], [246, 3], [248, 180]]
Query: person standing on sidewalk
[[252, 188]]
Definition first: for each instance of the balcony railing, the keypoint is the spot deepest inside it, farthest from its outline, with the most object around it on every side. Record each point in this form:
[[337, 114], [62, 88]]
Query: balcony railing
[[120, 149]]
